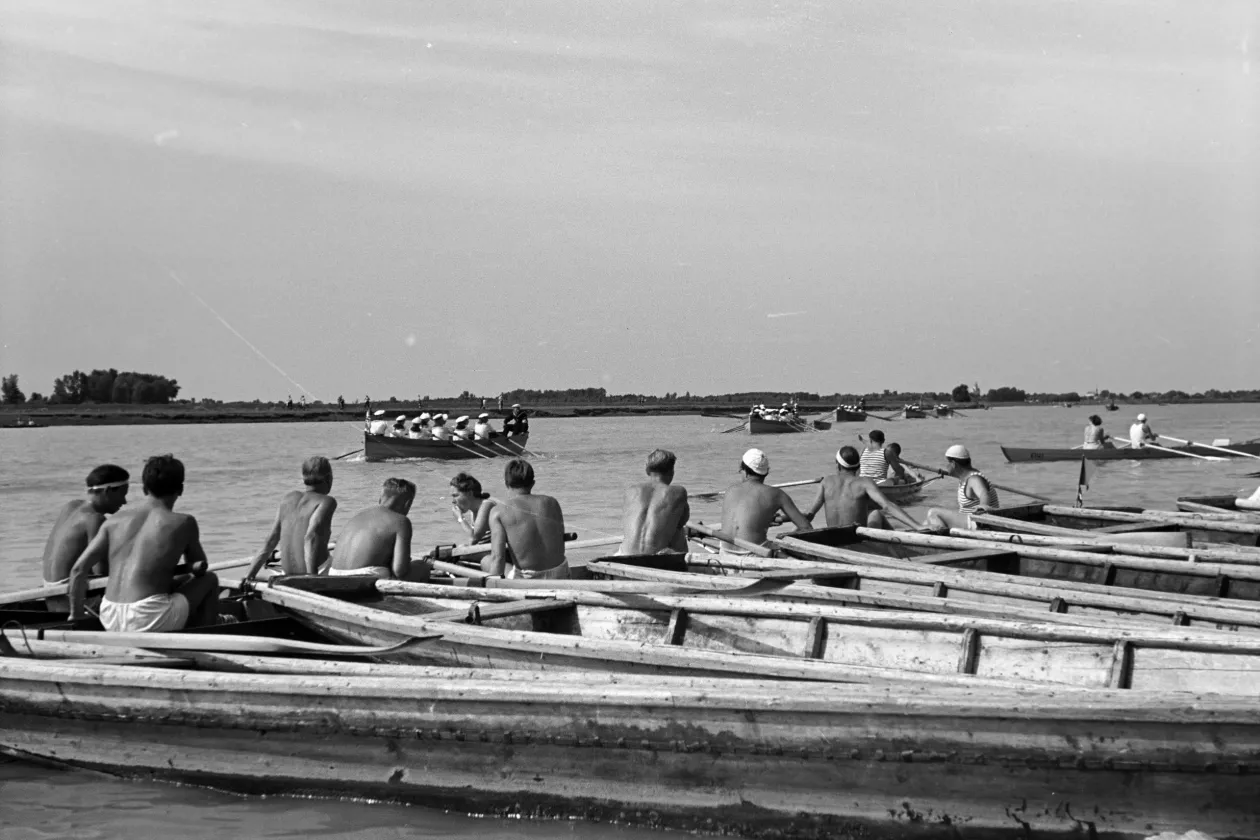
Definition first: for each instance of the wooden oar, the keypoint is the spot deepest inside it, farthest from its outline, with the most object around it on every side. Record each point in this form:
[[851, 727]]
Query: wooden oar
[[1179, 452], [701, 528], [55, 589], [891, 418], [944, 474], [473, 552], [348, 454], [468, 449], [1211, 446], [713, 494], [221, 642], [734, 428]]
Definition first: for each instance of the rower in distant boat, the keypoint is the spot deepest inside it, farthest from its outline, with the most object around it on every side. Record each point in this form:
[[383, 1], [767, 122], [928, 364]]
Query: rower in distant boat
[[420, 428], [877, 459], [379, 426], [377, 541], [849, 499], [975, 494], [80, 519], [1140, 433], [440, 430], [751, 506], [482, 429], [400, 426], [461, 430], [1095, 437], [892, 454], [516, 423]]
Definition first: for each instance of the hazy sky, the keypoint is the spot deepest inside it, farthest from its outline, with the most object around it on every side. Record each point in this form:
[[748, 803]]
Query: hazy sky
[[402, 198]]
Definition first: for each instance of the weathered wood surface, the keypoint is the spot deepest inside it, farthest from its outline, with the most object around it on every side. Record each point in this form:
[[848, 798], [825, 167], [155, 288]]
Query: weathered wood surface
[[1234, 581], [94, 584], [1065, 596], [886, 641], [1052, 536], [753, 760]]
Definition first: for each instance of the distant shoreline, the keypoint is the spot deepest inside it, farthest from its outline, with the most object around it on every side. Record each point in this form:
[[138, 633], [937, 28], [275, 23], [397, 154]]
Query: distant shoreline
[[153, 415]]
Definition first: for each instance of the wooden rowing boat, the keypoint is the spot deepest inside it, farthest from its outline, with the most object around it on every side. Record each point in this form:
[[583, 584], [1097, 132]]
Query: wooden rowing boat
[[849, 414], [900, 492], [717, 756], [822, 425], [1218, 505], [1190, 528], [386, 447], [507, 628], [762, 426], [1020, 455], [914, 412]]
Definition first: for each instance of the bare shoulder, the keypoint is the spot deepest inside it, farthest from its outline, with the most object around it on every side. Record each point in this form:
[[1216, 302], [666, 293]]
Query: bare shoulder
[[676, 491]]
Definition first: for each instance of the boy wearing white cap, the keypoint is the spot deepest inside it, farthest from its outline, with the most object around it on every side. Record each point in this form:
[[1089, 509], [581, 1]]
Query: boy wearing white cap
[[750, 505], [1140, 433], [379, 426], [850, 499], [975, 494], [440, 431], [482, 430], [420, 427], [461, 430]]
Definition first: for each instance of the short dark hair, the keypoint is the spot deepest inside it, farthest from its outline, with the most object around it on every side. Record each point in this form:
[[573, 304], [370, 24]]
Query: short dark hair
[[395, 487], [661, 461], [465, 483], [1095, 419], [965, 463], [518, 473], [315, 469], [895, 447], [876, 436], [163, 476], [850, 456], [107, 474]]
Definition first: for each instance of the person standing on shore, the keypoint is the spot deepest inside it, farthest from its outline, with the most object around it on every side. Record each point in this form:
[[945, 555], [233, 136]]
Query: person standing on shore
[[975, 494], [750, 505], [526, 530], [656, 510], [143, 547], [303, 523], [80, 520]]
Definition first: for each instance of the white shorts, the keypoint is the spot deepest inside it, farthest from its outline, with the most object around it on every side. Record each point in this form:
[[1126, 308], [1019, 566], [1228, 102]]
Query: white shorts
[[155, 614], [560, 572], [378, 572]]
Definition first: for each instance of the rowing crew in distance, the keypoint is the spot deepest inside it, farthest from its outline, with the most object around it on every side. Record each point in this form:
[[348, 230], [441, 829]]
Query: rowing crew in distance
[[434, 426]]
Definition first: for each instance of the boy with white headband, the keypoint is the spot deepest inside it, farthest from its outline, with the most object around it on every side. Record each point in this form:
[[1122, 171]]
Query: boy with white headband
[[80, 519], [849, 499]]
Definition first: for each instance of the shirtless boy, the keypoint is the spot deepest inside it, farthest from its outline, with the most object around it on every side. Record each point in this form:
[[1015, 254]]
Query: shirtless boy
[[849, 499], [377, 541], [526, 530], [656, 511], [80, 519], [143, 546], [750, 505], [303, 524]]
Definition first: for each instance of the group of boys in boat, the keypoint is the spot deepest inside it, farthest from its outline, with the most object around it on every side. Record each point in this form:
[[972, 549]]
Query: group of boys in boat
[[428, 426], [784, 414], [150, 589]]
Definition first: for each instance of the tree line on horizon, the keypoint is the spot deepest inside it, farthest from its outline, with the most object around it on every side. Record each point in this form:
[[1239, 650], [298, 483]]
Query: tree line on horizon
[[130, 387]]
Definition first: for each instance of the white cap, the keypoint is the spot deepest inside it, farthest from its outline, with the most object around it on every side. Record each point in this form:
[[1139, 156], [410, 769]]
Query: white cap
[[401, 418], [1141, 417], [463, 418], [416, 419], [378, 412], [844, 463], [424, 416], [756, 461], [958, 452], [516, 405], [483, 416]]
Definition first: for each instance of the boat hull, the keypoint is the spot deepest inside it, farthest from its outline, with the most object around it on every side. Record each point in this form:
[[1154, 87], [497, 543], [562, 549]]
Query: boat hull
[[762, 426], [797, 762], [1021, 455], [384, 448], [844, 415]]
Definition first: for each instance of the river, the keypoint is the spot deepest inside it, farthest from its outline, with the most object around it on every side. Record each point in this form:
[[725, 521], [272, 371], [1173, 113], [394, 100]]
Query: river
[[237, 473]]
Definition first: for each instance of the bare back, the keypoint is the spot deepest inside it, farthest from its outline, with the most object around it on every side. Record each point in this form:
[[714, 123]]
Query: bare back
[[376, 536], [846, 499], [749, 507], [655, 516], [527, 530], [77, 524], [144, 545], [305, 527]]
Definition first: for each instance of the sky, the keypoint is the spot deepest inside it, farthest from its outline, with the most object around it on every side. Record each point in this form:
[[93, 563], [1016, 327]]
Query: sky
[[264, 198]]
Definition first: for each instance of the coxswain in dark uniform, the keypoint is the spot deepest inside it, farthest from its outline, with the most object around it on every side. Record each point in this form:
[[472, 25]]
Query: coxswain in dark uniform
[[517, 423]]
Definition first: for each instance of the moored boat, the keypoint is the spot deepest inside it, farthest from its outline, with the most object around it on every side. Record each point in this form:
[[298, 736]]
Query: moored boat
[[1021, 455], [718, 756], [387, 447]]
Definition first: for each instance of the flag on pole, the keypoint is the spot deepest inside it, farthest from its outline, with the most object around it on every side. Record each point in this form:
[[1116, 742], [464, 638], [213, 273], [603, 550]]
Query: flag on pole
[[1082, 483]]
